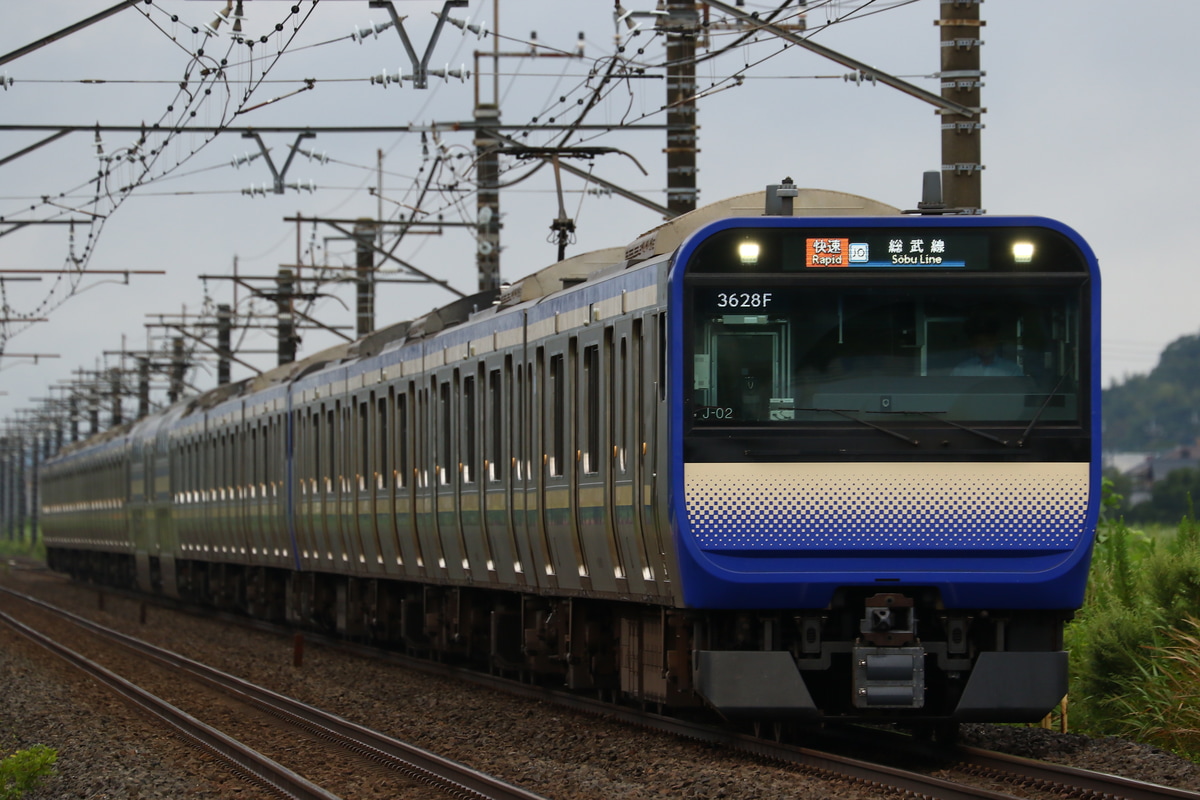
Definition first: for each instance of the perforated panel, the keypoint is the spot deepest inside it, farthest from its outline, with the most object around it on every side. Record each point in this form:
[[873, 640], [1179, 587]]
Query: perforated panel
[[886, 506]]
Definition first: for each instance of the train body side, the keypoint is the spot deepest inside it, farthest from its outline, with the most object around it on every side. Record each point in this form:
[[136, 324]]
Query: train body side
[[528, 475]]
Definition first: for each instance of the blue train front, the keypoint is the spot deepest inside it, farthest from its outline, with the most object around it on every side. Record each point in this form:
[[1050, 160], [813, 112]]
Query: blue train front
[[884, 462]]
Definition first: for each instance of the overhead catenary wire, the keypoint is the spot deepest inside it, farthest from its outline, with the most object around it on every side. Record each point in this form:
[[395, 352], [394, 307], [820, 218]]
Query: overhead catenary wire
[[446, 189], [104, 192]]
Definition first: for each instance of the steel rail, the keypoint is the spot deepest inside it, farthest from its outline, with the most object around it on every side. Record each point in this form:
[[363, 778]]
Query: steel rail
[[1051, 777], [415, 762], [1055, 778], [258, 767], [1098, 783]]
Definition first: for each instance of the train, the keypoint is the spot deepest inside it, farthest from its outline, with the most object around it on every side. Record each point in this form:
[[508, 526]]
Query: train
[[838, 464]]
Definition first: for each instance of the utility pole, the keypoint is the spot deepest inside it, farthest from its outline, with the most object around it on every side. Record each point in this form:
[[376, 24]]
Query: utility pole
[[20, 505], [143, 387], [962, 78], [224, 335], [487, 169], [682, 24], [287, 320], [34, 487], [364, 276], [73, 411], [178, 370], [5, 485], [487, 198], [94, 410], [114, 388]]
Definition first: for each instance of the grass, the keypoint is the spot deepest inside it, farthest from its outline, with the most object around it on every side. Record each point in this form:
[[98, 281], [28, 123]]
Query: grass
[[23, 546], [1135, 646], [25, 770]]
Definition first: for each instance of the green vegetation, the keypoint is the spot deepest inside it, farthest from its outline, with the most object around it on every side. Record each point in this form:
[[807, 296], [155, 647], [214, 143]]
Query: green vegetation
[[25, 770], [1159, 410], [1168, 501], [1135, 646], [23, 547]]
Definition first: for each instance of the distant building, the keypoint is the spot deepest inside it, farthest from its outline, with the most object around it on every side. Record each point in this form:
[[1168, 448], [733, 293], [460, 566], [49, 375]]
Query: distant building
[[1147, 469]]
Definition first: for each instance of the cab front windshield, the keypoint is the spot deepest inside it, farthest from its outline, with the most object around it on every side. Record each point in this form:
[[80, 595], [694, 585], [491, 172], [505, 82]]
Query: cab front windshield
[[783, 356]]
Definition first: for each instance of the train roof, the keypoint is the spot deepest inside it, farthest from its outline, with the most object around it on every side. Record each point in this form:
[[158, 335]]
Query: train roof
[[657, 242], [666, 237]]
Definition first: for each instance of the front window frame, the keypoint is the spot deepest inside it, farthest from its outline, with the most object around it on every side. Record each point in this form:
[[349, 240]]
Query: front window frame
[[892, 436]]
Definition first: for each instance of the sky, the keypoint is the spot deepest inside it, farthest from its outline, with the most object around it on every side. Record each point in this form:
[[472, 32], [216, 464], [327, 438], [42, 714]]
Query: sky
[[1090, 120]]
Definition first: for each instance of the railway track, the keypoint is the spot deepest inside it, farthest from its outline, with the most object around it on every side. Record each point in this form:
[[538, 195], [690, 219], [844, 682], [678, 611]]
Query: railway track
[[943, 774], [416, 772], [1065, 781], [954, 773]]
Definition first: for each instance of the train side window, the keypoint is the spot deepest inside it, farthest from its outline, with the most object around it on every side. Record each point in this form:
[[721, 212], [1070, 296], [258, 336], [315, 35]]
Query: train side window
[[253, 476], [330, 449], [470, 425], [494, 429], [364, 447], [558, 412], [303, 454], [236, 455], [274, 457], [591, 409], [299, 423], [346, 462], [445, 429], [402, 440], [425, 451], [222, 465], [639, 386], [520, 429], [662, 357], [620, 404], [265, 461], [314, 432], [532, 432], [382, 440]]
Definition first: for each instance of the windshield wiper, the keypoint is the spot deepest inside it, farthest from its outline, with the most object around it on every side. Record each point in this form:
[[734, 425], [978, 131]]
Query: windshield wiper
[[861, 421], [1053, 392], [952, 423]]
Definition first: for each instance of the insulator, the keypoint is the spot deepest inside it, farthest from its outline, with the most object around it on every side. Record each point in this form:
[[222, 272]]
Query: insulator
[[462, 73], [383, 79], [480, 30], [372, 29], [255, 189], [6, 81], [210, 28]]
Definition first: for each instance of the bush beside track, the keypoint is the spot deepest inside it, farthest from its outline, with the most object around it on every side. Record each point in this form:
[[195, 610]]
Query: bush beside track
[[1135, 645]]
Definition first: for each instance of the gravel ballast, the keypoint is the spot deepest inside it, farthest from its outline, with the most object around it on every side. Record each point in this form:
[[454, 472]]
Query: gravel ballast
[[106, 751]]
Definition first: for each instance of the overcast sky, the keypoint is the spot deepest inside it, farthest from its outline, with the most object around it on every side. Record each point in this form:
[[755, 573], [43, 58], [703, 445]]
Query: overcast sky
[[1089, 120]]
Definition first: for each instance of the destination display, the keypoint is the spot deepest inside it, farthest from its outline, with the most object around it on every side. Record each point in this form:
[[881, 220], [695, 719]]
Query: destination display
[[895, 250], [821, 249]]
